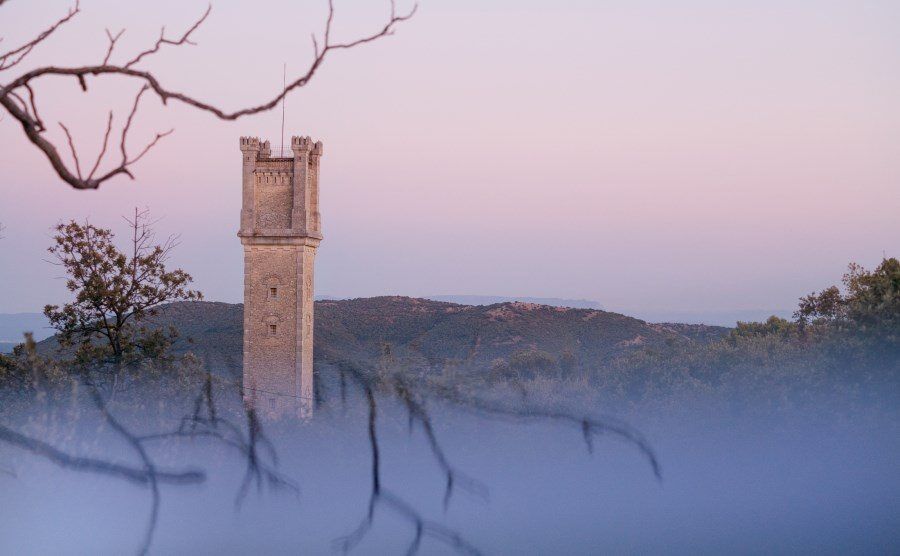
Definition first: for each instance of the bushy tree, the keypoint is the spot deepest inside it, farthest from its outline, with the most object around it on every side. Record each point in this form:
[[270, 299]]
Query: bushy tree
[[866, 314], [115, 290]]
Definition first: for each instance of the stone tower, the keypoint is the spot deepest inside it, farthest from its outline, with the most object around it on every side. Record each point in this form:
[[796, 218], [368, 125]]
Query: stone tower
[[280, 231]]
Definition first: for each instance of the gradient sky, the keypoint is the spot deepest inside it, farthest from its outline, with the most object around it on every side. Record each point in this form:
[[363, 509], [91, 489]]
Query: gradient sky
[[650, 155]]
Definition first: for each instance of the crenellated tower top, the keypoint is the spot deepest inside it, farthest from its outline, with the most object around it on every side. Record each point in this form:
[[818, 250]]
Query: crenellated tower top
[[280, 193], [249, 144], [306, 144]]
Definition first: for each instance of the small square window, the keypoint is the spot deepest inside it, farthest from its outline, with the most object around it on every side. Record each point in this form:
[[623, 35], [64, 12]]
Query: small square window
[[273, 329], [273, 293]]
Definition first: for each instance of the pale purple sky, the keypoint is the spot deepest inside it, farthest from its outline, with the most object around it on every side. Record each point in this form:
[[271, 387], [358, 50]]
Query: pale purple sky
[[692, 155]]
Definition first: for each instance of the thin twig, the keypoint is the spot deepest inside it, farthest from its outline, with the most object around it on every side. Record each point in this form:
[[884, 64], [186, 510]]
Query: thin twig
[[112, 44], [15, 56], [185, 39]]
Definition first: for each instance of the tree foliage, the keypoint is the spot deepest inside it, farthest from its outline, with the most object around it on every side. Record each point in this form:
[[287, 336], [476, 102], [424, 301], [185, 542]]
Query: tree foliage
[[865, 315], [114, 290]]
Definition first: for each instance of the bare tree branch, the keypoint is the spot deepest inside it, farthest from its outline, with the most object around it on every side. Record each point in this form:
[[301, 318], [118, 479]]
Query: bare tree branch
[[379, 496], [72, 148], [417, 413], [185, 39], [103, 149], [15, 56], [92, 465], [34, 110], [589, 426], [34, 128], [112, 44]]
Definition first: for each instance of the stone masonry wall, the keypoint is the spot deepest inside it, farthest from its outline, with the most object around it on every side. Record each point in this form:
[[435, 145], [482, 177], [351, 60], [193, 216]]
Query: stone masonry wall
[[270, 282]]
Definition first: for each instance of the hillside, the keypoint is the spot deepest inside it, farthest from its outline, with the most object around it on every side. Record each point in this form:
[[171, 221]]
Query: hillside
[[435, 332], [432, 334]]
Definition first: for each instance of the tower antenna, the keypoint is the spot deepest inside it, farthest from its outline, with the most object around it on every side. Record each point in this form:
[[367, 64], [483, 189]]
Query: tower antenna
[[283, 85]]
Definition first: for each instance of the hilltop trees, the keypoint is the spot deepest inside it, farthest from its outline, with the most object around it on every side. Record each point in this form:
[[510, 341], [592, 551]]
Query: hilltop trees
[[115, 290], [840, 340], [865, 315], [860, 320]]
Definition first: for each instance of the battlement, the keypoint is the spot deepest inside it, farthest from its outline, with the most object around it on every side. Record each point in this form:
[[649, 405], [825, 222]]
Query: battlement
[[301, 144], [250, 143], [306, 144]]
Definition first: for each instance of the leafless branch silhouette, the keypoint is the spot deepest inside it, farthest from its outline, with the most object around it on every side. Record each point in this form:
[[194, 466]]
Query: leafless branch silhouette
[[26, 113], [382, 497]]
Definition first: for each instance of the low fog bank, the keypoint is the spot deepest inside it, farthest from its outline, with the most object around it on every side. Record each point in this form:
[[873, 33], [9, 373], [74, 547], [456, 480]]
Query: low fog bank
[[735, 475]]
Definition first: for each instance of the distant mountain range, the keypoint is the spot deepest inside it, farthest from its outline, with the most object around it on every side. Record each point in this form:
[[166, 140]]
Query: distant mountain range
[[431, 334]]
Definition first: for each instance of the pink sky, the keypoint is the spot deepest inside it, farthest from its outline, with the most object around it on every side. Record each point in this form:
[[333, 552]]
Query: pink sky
[[648, 155]]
